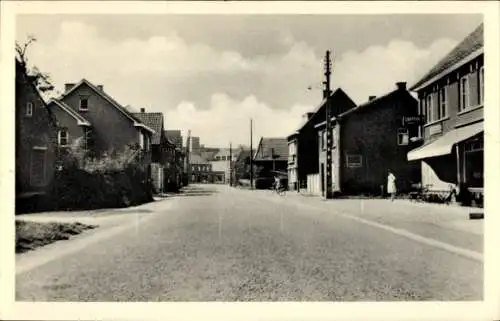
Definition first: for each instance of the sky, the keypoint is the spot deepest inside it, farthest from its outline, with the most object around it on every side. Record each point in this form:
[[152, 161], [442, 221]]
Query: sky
[[212, 73]]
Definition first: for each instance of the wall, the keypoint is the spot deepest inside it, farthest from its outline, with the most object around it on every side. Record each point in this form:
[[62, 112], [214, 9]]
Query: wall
[[111, 128], [37, 130], [314, 184], [64, 120], [451, 83], [372, 133]]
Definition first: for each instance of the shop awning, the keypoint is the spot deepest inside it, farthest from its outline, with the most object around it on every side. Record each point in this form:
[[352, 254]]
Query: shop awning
[[444, 144]]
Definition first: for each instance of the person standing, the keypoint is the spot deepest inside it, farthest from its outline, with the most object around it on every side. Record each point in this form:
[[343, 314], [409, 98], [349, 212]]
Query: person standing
[[391, 185]]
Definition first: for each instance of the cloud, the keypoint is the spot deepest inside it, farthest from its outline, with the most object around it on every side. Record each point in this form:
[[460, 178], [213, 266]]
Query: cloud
[[228, 120], [214, 92]]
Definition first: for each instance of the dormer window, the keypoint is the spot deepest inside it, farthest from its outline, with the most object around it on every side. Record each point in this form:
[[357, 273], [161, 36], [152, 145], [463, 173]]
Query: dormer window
[[29, 109], [84, 103]]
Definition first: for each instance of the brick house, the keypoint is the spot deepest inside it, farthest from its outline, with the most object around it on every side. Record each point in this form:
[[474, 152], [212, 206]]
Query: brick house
[[368, 140], [162, 150], [35, 135], [175, 169], [85, 113], [451, 100], [271, 157], [303, 150]]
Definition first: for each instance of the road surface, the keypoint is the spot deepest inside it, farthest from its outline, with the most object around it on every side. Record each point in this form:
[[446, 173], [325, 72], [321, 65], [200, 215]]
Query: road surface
[[221, 244]]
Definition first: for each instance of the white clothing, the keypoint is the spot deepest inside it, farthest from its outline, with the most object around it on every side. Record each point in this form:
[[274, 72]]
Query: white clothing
[[391, 184]]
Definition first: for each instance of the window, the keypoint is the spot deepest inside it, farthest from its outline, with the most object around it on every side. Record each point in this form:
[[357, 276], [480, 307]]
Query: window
[[428, 105], [29, 109], [334, 137], [84, 103], [442, 110], [464, 93], [403, 136], [481, 85], [354, 161], [323, 140], [63, 138], [88, 138]]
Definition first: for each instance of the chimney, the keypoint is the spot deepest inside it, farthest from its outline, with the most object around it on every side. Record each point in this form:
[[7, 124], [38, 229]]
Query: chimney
[[67, 87], [100, 87], [371, 98], [143, 110], [401, 85]]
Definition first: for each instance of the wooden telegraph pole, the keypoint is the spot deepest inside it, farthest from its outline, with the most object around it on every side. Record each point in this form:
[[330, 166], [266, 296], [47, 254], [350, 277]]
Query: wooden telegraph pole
[[251, 154], [230, 164], [329, 192]]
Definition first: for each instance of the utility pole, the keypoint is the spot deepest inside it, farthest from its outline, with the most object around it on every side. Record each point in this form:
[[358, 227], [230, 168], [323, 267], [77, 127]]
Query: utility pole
[[251, 153], [188, 166], [230, 164], [328, 127]]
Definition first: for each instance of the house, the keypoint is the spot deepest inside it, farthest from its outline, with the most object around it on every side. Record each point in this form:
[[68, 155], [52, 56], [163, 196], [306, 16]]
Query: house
[[222, 164], [161, 149], [367, 141], [271, 157], [175, 166], [451, 100], [242, 165], [200, 169], [36, 136], [86, 115], [303, 151]]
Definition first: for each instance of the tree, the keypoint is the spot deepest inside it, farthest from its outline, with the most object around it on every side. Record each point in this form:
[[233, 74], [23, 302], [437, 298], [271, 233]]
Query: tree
[[41, 80]]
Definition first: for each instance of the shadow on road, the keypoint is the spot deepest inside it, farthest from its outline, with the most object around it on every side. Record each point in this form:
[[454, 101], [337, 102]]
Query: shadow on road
[[196, 191]]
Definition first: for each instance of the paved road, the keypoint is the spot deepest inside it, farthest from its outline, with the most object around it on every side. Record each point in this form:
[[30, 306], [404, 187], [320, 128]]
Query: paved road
[[220, 244]]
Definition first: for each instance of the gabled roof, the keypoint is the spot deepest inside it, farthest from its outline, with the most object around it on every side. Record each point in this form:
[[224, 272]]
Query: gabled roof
[[113, 102], [369, 104], [154, 121], [472, 45], [80, 120], [277, 146], [175, 137], [336, 94]]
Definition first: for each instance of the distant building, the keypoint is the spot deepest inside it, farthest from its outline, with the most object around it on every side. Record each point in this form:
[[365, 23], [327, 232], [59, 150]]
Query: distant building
[[222, 163], [195, 145], [451, 99], [200, 169], [271, 156], [368, 140]]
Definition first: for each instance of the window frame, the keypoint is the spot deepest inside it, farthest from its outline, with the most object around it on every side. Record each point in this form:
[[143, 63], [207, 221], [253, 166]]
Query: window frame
[[401, 132], [481, 85], [462, 105], [29, 109], [59, 137], [429, 108], [443, 102], [80, 104]]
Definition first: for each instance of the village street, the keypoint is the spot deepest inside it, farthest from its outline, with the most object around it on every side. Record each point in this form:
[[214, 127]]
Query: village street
[[227, 244]]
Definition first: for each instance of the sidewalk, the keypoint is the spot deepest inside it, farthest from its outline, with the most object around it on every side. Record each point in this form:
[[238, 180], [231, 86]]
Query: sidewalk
[[400, 213]]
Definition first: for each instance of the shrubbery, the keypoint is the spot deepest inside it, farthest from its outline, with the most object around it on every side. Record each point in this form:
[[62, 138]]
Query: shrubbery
[[116, 179]]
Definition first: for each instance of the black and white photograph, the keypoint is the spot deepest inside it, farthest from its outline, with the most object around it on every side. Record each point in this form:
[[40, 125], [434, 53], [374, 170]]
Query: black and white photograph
[[260, 156]]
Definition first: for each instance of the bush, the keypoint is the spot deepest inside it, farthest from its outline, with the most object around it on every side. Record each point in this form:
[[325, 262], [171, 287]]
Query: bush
[[111, 181]]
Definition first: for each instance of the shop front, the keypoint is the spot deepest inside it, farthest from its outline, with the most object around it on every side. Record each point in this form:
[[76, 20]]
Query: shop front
[[454, 160]]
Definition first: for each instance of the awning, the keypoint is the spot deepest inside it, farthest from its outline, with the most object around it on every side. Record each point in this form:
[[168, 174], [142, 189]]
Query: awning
[[444, 144]]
